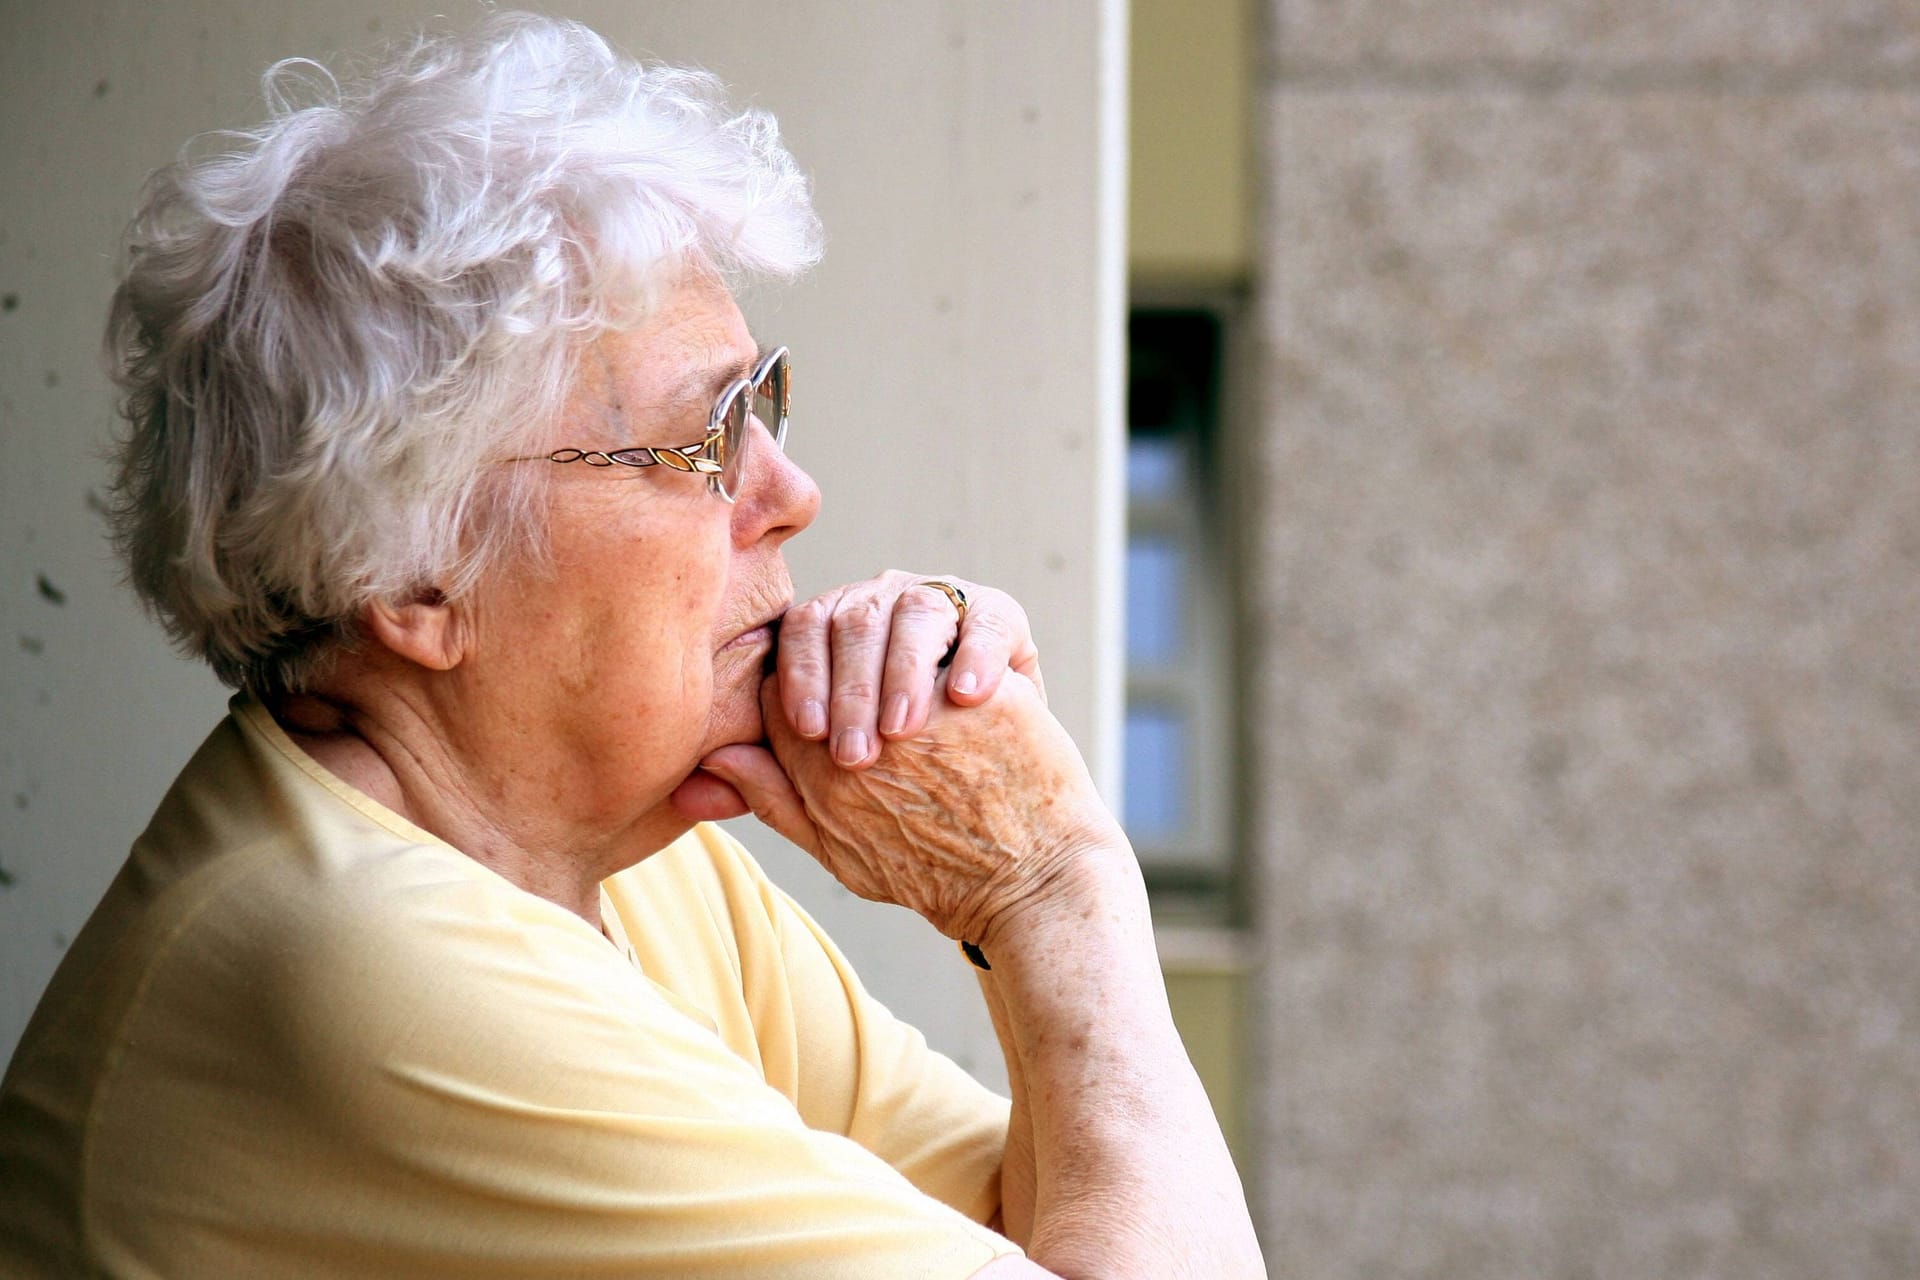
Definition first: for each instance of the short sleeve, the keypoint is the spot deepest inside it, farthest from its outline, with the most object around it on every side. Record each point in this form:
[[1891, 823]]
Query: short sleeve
[[913, 1107], [707, 924]]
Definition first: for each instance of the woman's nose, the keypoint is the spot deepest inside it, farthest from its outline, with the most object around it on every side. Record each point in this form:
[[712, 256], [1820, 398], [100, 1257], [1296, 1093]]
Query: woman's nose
[[778, 498]]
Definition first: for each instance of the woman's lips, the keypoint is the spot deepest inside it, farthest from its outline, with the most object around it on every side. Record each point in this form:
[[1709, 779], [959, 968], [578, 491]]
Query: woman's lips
[[767, 633], [748, 638]]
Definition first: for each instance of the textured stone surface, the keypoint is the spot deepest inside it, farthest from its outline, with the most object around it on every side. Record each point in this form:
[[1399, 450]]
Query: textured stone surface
[[1589, 560], [1846, 38]]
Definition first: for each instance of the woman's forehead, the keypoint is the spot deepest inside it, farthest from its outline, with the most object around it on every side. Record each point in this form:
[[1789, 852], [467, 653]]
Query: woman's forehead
[[691, 346]]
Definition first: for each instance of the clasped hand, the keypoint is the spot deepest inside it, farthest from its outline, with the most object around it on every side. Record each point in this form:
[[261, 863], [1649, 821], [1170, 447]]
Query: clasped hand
[[952, 792]]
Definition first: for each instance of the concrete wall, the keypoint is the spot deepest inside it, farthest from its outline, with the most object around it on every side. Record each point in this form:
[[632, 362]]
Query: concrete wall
[[959, 373], [1589, 672]]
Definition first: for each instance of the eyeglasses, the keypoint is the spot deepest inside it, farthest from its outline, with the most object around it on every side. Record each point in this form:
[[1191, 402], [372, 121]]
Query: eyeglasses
[[722, 455]]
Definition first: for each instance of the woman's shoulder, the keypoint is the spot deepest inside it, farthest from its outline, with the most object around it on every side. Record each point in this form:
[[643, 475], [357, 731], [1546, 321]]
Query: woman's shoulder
[[261, 905]]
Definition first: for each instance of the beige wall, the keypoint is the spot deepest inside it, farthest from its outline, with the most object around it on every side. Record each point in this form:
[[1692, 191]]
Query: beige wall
[[958, 354], [1589, 589]]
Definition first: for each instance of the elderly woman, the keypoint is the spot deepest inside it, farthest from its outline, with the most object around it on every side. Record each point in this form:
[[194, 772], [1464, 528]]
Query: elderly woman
[[450, 451]]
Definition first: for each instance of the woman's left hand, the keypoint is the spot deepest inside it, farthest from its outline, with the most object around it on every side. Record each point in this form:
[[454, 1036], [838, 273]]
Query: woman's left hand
[[858, 664]]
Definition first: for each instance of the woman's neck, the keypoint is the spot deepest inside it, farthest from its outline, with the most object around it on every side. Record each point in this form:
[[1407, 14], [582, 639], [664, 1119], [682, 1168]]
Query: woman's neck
[[396, 756]]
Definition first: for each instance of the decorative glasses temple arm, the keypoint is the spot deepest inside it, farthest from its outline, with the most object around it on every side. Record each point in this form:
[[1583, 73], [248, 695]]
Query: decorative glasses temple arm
[[686, 457]]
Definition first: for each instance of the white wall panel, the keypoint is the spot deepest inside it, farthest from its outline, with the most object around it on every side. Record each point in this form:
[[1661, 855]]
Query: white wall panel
[[958, 386]]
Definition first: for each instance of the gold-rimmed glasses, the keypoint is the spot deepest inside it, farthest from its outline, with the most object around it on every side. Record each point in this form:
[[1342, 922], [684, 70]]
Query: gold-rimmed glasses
[[721, 455]]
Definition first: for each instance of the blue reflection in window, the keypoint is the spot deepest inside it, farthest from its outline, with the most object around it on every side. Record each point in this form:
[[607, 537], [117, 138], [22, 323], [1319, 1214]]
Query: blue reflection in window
[[1156, 468], [1154, 761], [1156, 595]]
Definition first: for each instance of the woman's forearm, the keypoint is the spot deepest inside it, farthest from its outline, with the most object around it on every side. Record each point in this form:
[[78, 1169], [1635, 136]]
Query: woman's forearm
[[1016, 1164], [1130, 1173], [989, 826]]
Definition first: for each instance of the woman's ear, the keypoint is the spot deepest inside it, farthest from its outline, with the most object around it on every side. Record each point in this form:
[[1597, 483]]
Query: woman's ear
[[426, 630]]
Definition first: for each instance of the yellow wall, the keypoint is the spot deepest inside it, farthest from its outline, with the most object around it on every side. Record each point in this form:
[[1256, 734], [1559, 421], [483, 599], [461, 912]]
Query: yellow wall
[[1189, 204], [1209, 1007]]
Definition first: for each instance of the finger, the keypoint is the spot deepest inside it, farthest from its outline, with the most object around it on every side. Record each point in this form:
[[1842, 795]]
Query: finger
[[756, 779], [922, 633], [703, 797], [790, 750], [996, 637], [802, 664], [862, 624]]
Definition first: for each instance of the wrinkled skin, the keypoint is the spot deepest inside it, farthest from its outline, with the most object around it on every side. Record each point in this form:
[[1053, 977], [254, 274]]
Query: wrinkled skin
[[964, 823]]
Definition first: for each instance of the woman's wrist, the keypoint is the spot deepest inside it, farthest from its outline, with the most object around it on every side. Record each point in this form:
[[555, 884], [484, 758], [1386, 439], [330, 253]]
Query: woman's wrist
[[1095, 890]]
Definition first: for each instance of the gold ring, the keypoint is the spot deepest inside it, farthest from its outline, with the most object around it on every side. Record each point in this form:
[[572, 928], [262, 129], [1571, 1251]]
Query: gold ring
[[959, 599]]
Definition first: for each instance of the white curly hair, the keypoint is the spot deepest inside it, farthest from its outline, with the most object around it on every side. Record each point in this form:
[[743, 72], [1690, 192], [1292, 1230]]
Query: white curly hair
[[328, 333]]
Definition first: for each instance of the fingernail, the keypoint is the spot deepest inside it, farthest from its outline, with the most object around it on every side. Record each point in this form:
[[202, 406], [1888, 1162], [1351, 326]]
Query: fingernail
[[851, 746], [966, 682], [813, 719], [895, 717]]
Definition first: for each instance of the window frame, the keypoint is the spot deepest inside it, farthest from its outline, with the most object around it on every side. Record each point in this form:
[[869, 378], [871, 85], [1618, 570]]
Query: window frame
[[1199, 877]]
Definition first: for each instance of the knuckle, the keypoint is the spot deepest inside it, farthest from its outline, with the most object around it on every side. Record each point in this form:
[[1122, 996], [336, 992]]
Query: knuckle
[[811, 613], [805, 667], [906, 661], [860, 620], [916, 606], [988, 624], [854, 691]]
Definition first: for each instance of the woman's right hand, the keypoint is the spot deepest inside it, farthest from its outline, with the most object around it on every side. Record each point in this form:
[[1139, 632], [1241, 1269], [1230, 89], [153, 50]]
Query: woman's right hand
[[987, 824], [986, 810]]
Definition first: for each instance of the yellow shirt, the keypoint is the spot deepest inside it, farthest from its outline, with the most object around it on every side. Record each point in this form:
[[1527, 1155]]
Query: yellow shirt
[[303, 1037]]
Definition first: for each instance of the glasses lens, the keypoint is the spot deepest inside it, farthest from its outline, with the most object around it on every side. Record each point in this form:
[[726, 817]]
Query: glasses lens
[[732, 443], [772, 397]]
